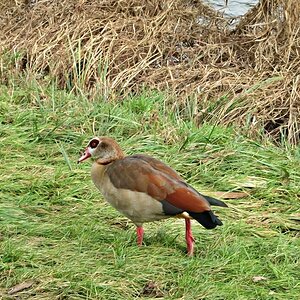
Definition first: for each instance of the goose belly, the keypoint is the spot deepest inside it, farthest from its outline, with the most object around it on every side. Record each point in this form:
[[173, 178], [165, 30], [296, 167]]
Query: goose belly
[[138, 207]]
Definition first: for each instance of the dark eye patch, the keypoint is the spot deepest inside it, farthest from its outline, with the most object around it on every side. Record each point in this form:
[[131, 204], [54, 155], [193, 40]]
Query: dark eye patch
[[94, 143]]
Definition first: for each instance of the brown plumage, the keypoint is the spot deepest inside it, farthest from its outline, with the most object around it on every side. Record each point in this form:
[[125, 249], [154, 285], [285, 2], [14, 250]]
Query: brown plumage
[[145, 189]]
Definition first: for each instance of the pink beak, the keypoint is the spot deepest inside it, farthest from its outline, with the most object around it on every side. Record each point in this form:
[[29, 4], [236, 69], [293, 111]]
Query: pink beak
[[84, 156]]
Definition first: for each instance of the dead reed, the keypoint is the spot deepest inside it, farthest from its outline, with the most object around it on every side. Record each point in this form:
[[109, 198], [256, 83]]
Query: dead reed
[[248, 74]]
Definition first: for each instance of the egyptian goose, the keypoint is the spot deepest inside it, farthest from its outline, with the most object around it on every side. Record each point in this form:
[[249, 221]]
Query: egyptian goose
[[144, 189]]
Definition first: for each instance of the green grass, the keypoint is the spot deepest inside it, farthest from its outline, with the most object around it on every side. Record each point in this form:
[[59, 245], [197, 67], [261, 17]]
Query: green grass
[[56, 229]]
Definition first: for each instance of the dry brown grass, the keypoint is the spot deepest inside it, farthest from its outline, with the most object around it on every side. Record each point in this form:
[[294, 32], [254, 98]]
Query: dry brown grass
[[247, 75]]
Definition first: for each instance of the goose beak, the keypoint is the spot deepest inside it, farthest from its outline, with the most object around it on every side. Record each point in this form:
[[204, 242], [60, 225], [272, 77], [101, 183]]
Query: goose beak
[[84, 156]]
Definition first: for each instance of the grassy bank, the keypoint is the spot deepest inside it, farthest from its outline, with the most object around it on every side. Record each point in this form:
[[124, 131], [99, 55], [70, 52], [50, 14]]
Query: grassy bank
[[57, 231], [244, 74]]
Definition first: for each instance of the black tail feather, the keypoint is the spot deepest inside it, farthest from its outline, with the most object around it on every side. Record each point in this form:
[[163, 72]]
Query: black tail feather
[[214, 201], [206, 219]]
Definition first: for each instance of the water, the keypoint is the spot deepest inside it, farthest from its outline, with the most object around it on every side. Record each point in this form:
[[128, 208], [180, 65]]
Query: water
[[234, 8]]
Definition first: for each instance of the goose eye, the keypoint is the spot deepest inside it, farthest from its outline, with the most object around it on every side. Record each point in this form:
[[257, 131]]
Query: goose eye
[[93, 144]]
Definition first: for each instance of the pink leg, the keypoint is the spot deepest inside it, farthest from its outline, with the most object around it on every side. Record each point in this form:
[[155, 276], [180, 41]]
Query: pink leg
[[189, 237], [140, 234]]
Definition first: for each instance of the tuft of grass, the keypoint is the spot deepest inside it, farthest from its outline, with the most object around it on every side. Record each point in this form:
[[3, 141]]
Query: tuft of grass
[[57, 231]]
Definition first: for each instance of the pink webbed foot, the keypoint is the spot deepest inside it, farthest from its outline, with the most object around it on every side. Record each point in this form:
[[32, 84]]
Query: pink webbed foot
[[189, 238]]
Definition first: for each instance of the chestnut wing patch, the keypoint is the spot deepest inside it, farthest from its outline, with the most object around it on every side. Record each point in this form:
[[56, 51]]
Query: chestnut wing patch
[[136, 174]]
